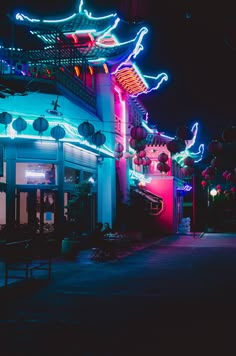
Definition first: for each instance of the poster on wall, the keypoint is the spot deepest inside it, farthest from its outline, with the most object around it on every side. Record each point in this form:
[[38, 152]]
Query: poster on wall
[[1, 160]]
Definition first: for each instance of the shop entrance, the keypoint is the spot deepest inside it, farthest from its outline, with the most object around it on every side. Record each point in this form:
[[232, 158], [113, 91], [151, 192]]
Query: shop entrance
[[36, 209]]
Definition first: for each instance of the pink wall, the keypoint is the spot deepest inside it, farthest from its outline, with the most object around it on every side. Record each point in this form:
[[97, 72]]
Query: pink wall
[[164, 187]]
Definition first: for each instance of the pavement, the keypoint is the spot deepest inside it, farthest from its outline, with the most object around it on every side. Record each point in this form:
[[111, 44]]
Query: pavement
[[171, 292]]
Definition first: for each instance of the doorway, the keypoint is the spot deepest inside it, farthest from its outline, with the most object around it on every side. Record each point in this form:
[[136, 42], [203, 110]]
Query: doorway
[[36, 208]]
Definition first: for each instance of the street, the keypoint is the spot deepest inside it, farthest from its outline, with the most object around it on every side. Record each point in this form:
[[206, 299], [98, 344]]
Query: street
[[178, 293]]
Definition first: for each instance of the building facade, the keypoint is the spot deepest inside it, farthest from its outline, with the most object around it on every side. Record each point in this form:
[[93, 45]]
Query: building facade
[[68, 103]]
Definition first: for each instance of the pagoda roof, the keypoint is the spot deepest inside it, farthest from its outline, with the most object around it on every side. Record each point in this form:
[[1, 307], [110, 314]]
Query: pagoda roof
[[157, 139], [81, 20], [99, 40]]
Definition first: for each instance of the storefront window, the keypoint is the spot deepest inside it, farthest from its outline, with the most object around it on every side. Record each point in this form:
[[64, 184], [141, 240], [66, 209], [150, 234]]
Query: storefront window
[[71, 175], [3, 176], [35, 173]]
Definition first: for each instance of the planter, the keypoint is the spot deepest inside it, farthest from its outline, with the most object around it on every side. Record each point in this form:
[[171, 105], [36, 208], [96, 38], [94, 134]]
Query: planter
[[70, 248]]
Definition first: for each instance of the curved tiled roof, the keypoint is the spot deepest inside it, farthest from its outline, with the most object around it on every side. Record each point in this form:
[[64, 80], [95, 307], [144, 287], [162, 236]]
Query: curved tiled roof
[[157, 139], [80, 20]]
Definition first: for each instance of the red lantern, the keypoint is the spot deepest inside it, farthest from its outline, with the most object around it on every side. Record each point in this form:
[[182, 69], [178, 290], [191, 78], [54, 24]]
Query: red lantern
[[160, 166], [210, 171], [163, 167], [166, 167], [40, 124], [203, 183], [138, 133], [224, 174], [137, 145], [142, 154], [184, 133], [229, 134], [86, 129], [204, 172], [119, 147], [218, 187], [146, 161], [162, 157], [231, 177], [175, 146], [188, 161], [98, 138], [19, 124], [187, 171], [138, 161], [215, 147], [58, 132]]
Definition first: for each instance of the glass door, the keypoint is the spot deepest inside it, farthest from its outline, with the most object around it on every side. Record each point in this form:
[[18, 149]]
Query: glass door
[[36, 209]]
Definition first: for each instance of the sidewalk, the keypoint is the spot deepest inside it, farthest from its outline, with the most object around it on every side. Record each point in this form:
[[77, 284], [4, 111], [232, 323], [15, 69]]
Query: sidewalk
[[63, 265]]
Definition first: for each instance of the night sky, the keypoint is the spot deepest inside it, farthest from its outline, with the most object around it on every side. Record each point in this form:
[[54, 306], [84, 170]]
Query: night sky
[[194, 42]]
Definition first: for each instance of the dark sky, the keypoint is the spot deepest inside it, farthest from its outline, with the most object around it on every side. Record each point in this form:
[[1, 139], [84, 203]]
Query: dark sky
[[194, 42]]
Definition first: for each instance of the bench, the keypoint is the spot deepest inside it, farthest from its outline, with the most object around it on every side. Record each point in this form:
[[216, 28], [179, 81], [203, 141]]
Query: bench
[[26, 256]]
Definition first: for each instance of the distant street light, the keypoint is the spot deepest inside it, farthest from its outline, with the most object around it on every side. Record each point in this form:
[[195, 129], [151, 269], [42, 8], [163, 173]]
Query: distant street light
[[213, 193]]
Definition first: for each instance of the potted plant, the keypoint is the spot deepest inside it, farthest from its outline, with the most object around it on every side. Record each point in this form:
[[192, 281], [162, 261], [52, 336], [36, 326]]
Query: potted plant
[[78, 212]]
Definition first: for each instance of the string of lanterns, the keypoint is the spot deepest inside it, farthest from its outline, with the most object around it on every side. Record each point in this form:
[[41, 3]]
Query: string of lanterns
[[41, 124], [217, 148], [162, 166]]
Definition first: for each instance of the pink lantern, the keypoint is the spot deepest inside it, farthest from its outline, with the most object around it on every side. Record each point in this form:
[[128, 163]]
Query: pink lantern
[[162, 157], [218, 187], [138, 133], [233, 189]]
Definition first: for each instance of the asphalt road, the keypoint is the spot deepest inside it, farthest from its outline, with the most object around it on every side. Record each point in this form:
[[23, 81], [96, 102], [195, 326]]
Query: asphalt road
[[177, 294]]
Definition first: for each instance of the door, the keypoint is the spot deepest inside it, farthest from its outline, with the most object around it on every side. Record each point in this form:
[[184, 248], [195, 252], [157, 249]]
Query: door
[[36, 209]]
